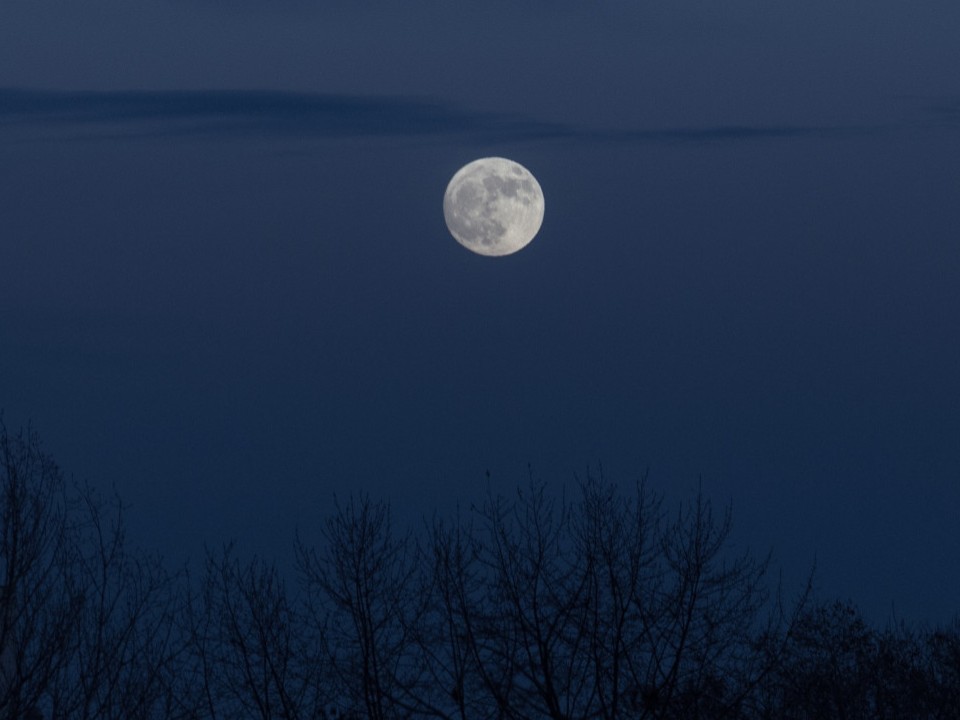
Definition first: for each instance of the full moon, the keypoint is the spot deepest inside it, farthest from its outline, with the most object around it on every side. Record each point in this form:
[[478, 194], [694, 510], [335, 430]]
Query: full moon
[[493, 206]]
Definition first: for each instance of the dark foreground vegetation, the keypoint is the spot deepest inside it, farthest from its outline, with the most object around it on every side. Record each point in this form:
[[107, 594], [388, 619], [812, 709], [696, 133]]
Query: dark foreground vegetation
[[603, 606]]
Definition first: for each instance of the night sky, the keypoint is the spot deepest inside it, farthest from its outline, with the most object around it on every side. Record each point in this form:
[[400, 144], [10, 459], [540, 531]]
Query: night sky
[[227, 289]]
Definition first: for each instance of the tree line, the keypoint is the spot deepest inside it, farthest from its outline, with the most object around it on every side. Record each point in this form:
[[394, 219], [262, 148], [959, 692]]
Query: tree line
[[600, 606]]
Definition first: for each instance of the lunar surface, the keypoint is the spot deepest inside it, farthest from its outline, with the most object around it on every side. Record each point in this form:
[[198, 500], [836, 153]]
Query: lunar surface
[[493, 206]]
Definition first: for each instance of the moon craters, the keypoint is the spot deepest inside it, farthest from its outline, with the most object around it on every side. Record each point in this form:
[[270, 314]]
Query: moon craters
[[493, 206]]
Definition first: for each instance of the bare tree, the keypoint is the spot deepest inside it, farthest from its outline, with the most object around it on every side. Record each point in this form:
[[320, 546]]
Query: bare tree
[[450, 634], [248, 650], [595, 609], [837, 666], [85, 625], [942, 669], [711, 611], [364, 609], [125, 641], [619, 544], [39, 605], [535, 607]]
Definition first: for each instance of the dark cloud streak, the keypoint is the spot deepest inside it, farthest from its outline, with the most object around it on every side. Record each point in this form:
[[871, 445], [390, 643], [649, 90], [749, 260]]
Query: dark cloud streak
[[139, 114], [247, 113]]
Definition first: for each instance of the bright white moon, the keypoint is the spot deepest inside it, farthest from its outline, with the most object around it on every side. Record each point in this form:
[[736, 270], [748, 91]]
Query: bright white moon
[[493, 206]]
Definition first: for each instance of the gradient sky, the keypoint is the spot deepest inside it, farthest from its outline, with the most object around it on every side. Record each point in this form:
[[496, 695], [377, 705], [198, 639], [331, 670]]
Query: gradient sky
[[226, 288]]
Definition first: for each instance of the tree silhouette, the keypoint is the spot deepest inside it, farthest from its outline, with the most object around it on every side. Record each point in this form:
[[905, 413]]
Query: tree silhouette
[[247, 650], [836, 666], [85, 625], [39, 603], [597, 606], [363, 606]]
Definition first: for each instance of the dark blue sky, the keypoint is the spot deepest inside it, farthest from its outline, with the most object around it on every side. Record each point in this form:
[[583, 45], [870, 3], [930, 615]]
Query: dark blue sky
[[226, 287]]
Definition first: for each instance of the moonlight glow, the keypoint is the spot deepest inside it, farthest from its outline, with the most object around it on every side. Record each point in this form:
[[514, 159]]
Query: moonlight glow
[[493, 206]]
